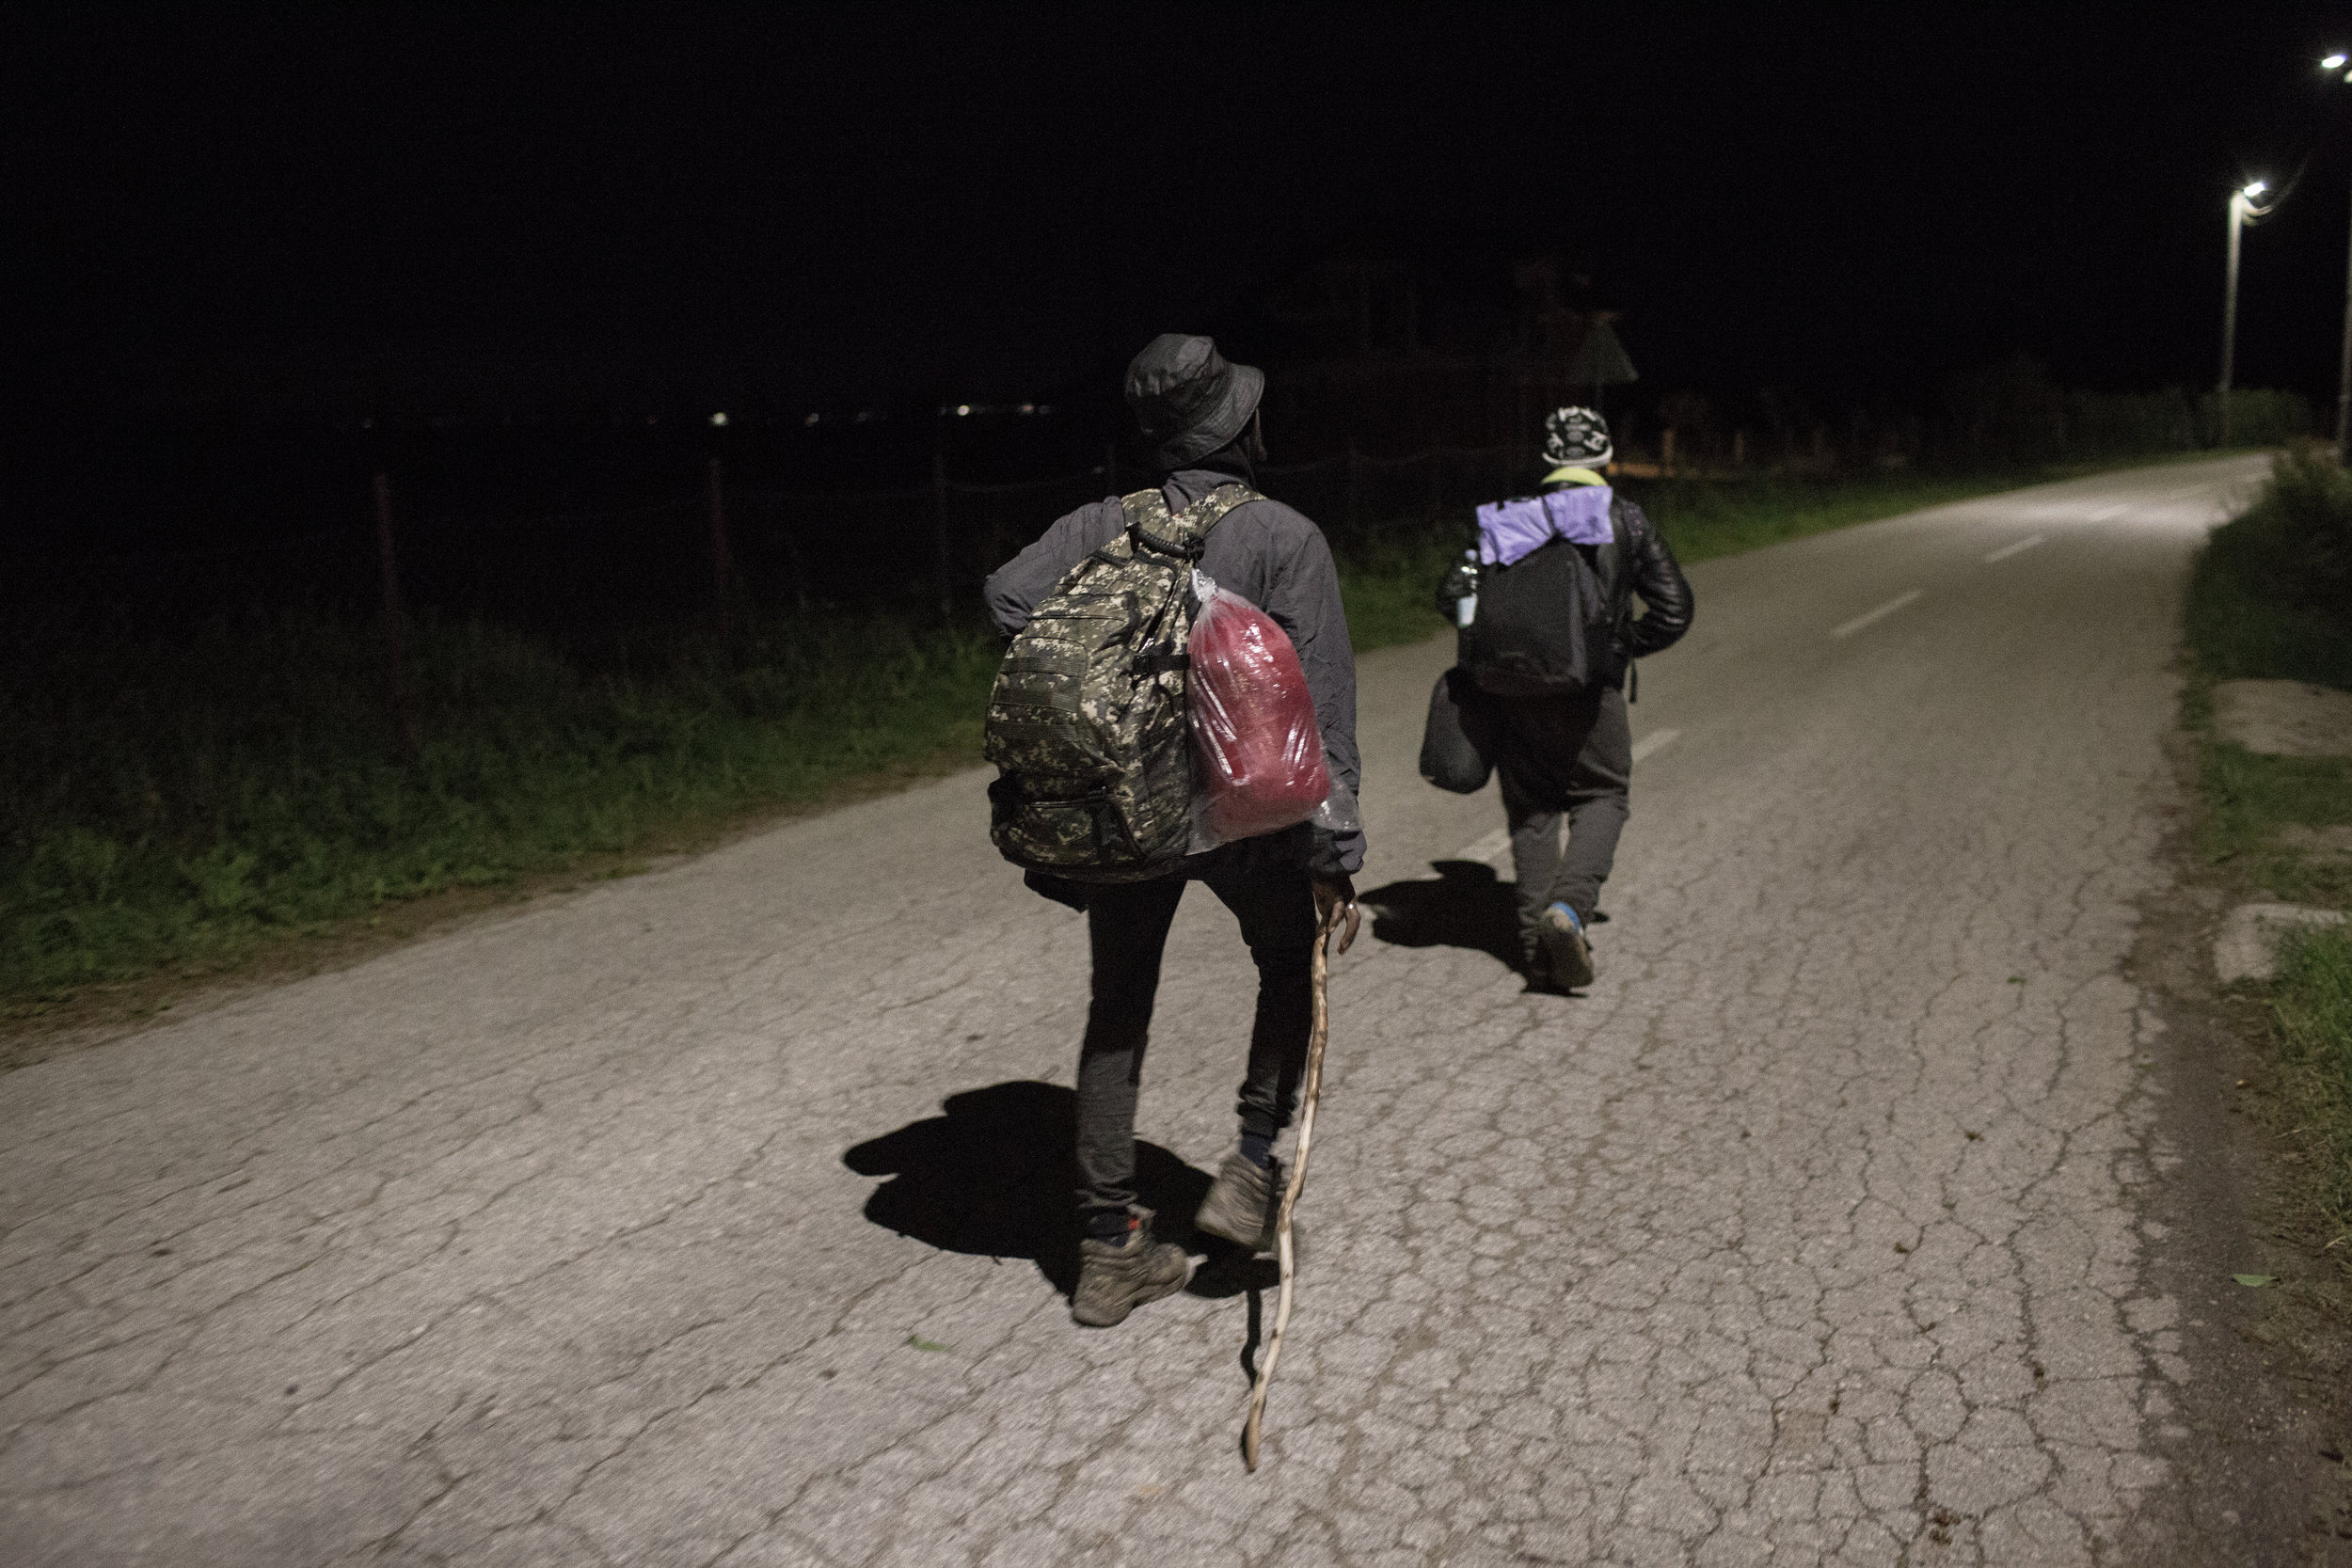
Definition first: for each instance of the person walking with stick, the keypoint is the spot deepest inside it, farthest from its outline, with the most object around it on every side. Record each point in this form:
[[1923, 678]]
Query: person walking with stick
[[1112, 846]]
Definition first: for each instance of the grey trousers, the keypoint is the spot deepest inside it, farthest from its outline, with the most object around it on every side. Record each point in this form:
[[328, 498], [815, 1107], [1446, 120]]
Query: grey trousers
[[1572, 757], [1127, 928]]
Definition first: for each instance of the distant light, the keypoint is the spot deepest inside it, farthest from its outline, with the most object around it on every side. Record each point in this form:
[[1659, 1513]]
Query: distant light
[[811, 419], [2256, 188], [720, 418], [2331, 62], [1029, 408], [963, 408]]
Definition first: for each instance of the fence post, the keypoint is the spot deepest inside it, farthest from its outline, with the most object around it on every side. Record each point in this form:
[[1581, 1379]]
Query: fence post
[[792, 560], [721, 557], [939, 526], [395, 626], [1350, 486], [1666, 452]]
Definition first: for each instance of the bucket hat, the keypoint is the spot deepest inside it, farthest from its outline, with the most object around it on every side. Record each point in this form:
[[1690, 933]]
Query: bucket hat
[[1187, 399]]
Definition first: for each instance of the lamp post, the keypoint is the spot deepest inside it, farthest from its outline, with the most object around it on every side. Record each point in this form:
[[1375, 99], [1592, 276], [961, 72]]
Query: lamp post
[[2242, 211], [2343, 363]]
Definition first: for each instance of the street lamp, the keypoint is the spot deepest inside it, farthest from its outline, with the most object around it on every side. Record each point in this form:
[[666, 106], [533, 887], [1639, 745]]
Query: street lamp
[[2343, 364], [2243, 211]]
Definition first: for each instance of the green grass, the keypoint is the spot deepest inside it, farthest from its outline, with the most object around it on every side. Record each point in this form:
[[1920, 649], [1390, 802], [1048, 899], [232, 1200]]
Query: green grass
[[2311, 1009], [175, 805], [2271, 599], [2251, 799], [2272, 596]]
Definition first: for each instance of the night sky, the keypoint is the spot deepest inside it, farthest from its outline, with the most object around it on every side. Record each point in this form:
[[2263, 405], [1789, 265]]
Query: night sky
[[892, 201]]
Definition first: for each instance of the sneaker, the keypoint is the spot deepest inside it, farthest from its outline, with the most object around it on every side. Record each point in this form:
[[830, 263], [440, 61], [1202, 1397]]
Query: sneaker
[[1116, 1277], [1569, 955], [1241, 1204]]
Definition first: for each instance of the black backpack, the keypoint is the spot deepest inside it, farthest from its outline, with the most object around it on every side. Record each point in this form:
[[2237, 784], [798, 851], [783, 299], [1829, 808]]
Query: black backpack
[[1542, 626]]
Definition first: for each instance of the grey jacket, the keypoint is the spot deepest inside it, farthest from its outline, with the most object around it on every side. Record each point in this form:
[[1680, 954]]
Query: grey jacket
[[1263, 551]]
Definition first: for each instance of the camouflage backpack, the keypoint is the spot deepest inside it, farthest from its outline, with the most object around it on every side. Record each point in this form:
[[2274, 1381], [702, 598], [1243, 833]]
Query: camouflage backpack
[[1087, 723]]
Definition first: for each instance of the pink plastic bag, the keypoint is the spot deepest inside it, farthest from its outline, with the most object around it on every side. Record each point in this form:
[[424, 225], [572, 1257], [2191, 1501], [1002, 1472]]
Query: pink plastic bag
[[1257, 748]]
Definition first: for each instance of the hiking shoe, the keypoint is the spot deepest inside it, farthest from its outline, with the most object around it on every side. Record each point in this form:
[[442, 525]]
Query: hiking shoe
[[1567, 953], [1241, 1204], [1116, 1277]]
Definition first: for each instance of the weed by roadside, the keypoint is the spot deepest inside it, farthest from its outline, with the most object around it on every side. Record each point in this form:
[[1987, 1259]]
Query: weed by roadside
[[2312, 1006], [185, 800], [2271, 598]]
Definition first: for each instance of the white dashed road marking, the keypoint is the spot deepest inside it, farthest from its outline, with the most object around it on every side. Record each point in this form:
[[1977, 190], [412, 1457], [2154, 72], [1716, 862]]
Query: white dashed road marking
[[2018, 549], [1885, 609], [1651, 743], [1492, 848]]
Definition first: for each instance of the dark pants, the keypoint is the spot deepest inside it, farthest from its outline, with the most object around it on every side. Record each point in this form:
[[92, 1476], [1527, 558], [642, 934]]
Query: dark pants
[[1558, 756], [1128, 926]]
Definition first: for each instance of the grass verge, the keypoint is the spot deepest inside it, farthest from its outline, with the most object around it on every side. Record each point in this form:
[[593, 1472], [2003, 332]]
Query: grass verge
[[2312, 1011], [180, 808], [2271, 599], [175, 805]]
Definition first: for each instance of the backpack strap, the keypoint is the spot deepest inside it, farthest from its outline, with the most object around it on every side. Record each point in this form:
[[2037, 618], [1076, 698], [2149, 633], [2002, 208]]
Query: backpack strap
[[1182, 534]]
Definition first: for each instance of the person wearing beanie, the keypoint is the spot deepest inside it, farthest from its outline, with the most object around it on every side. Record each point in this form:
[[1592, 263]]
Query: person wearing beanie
[[1198, 416], [1567, 756]]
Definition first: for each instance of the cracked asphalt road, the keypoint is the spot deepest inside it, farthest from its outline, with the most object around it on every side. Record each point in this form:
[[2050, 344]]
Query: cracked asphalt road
[[1816, 1232]]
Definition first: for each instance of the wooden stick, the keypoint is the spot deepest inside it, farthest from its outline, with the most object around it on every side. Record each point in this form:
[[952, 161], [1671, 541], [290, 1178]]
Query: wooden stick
[[1322, 975]]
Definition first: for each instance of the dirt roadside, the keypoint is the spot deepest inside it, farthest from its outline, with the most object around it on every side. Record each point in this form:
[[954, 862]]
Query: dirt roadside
[[2260, 1432]]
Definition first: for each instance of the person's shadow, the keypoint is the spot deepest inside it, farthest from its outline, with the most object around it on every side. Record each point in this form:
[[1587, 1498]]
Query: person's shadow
[[1468, 906], [995, 1177]]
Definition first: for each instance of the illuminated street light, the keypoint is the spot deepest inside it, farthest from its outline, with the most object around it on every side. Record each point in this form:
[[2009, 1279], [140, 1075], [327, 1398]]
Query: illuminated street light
[[2242, 212], [2343, 363]]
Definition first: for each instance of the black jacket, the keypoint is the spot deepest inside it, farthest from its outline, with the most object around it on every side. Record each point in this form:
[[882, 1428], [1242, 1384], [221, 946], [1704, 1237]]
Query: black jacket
[[1640, 562]]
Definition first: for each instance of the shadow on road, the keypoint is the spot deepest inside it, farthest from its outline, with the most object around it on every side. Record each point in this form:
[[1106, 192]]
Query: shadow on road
[[994, 1177], [1468, 906]]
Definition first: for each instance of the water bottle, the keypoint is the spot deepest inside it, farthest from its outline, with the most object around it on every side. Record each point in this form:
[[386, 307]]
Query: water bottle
[[1466, 608]]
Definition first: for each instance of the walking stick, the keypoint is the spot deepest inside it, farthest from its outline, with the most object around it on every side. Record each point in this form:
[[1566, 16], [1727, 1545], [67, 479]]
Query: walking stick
[[1344, 909]]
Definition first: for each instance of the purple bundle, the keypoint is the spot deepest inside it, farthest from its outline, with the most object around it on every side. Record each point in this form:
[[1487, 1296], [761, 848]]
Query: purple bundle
[[1509, 530]]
